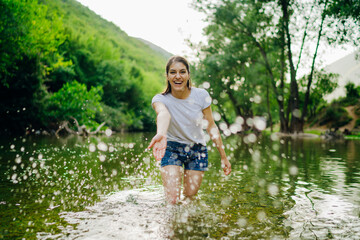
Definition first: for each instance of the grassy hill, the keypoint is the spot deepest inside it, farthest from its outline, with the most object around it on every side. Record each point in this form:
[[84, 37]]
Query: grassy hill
[[107, 40], [66, 61]]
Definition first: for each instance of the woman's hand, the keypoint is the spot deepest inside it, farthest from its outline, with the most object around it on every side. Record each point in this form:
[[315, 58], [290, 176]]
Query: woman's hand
[[226, 166], [158, 142]]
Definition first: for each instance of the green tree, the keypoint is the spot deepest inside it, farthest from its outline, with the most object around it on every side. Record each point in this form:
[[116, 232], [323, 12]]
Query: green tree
[[26, 29], [352, 91], [28, 37], [323, 84], [74, 100], [280, 32]]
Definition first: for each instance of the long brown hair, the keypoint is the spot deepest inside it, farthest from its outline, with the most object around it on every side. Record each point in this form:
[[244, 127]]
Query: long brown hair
[[172, 60]]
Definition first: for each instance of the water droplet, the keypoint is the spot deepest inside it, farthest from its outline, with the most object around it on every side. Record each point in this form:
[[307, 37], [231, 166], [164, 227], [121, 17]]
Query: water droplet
[[206, 85], [293, 170], [257, 99], [242, 222], [261, 216], [296, 113], [252, 137], [18, 160], [273, 189], [108, 132], [102, 147], [92, 147], [235, 127], [102, 158], [250, 122], [216, 116], [260, 123]]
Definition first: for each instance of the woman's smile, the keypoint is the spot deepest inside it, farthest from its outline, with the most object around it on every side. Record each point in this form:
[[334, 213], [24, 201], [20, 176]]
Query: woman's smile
[[178, 76]]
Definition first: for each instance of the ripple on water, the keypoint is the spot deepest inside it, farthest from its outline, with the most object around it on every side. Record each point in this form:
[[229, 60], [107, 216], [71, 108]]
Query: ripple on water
[[130, 214], [322, 216]]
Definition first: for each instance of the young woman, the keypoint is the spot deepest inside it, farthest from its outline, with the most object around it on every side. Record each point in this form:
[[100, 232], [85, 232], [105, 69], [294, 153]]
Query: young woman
[[179, 143]]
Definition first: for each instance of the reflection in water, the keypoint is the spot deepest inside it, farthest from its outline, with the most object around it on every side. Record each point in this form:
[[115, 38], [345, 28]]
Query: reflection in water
[[130, 214], [322, 216], [108, 188]]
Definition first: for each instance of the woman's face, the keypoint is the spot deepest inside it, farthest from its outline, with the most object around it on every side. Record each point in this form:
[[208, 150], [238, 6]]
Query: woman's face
[[178, 76]]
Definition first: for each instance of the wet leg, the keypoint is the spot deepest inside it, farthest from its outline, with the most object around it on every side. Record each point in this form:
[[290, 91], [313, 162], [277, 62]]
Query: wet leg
[[171, 177], [192, 182]]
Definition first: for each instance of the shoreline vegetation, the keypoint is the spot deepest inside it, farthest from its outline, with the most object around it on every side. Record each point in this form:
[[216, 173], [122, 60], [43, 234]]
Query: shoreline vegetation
[[65, 70]]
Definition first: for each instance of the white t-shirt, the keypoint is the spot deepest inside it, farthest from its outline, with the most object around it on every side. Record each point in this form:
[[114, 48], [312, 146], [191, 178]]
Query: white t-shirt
[[186, 124]]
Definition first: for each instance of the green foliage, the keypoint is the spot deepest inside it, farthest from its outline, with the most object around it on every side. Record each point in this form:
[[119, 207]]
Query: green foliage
[[74, 100], [260, 43], [128, 70], [357, 123], [352, 91], [323, 83], [233, 64], [346, 18], [357, 108], [345, 9], [333, 116], [45, 46], [26, 28], [352, 95]]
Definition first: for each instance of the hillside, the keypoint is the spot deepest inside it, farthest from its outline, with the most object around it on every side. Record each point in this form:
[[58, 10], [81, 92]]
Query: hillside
[[156, 48], [348, 69], [60, 60], [86, 25], [350, 113]]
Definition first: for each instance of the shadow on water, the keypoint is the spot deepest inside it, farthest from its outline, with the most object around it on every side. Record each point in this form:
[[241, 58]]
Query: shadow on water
[[109, 188]]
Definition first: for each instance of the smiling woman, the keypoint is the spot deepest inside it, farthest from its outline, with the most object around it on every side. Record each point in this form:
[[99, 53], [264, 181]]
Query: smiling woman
[[182, 112]]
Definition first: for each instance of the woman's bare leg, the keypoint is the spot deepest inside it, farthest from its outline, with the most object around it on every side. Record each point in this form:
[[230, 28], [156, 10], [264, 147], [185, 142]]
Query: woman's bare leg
[[192, 182], [171, 177]]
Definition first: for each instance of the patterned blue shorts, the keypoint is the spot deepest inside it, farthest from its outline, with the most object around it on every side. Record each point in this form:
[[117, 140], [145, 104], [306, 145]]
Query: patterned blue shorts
[[191, 157]]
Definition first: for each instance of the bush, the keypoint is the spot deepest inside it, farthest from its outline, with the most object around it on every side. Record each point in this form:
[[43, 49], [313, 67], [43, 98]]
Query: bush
[[334, 115], [348, 101], [74, 100], [357, 123], [114, 118]]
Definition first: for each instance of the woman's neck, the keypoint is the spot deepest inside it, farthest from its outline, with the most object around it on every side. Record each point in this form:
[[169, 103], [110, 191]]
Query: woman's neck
[[181, 94]]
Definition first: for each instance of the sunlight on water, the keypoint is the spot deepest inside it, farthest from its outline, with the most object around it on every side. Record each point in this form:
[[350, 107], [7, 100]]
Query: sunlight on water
[[130, 214], [322, 216], [110, 188]]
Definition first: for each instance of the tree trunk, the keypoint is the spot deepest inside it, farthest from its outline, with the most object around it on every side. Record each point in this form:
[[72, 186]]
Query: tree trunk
[[293, 104], [310, 78], [268, 105]]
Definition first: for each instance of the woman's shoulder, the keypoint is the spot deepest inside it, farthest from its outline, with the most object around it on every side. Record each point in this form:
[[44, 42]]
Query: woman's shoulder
[[202, 96], [203, 93], [160, 97]]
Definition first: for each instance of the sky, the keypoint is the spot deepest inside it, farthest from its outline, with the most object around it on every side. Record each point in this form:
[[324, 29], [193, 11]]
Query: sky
[[167, 23]]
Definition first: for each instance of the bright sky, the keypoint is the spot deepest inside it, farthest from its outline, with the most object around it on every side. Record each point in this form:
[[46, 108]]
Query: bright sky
[[167, 23]]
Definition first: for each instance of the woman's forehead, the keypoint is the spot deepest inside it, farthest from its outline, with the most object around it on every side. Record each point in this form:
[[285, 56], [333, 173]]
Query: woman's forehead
[[177, 65]]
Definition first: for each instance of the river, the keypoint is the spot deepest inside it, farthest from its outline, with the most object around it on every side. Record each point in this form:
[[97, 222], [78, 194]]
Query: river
[[108, 187]]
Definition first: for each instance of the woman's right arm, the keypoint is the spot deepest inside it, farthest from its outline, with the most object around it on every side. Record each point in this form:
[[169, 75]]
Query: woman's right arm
[[159, 141]]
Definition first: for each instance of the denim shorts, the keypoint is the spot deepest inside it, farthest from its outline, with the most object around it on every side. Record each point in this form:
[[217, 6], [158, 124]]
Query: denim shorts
[[191, 157]]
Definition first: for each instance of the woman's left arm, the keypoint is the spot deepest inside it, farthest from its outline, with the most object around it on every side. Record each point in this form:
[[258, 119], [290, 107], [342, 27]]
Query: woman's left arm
[[215, 136]]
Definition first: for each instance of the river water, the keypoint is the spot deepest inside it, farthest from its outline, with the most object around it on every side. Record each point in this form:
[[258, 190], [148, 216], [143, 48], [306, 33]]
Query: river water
[[110, 188]]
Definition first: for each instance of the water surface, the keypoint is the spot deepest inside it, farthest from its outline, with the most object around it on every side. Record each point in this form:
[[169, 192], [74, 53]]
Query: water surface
[[110, 188]]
